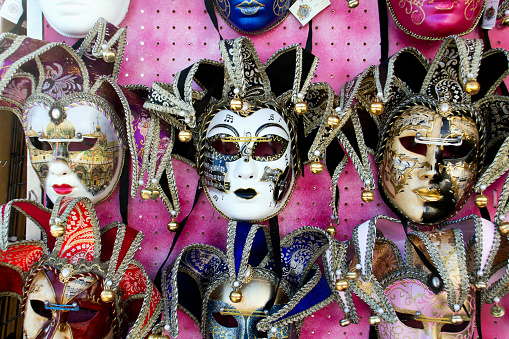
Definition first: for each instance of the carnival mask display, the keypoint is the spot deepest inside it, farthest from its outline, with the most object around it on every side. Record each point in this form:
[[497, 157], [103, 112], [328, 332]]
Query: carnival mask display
[[429, 165], [76, 18], [435, 20], [253, 16], [75, 150], [80, 280], [71, 108], [248, 171]]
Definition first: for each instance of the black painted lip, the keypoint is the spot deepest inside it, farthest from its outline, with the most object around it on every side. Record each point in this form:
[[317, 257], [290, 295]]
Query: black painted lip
[[246, 193]]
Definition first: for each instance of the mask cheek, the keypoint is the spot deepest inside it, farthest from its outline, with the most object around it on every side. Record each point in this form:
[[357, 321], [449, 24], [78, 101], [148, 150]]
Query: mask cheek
[[40, 290]]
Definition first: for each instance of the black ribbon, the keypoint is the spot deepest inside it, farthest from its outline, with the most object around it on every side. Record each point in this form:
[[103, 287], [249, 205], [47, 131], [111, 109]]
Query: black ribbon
[[209, 6], [17, 28], [157, 280], [384, 30], [123, 192]]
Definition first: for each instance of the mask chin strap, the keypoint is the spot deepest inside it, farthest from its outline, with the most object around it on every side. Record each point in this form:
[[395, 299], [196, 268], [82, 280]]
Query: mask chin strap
[[278, 266]]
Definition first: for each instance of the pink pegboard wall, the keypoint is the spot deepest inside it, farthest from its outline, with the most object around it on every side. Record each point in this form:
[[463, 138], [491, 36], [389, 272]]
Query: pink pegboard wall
[[167, 36]]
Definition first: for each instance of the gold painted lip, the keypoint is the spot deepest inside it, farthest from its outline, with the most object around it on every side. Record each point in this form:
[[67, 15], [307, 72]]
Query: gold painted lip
[[428, 195], [250, 7]]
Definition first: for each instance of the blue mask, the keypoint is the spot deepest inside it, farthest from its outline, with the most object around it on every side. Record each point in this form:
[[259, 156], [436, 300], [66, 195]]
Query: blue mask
[[253, 16]]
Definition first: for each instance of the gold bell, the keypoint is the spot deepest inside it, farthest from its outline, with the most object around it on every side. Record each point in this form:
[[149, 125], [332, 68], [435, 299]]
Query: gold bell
[[333, 121], [456, 319], [145, 194], [235, 296], [57, 230], [504, 228], [185, 135], [497, 311], [505, 21], [472, 87], [301, 108], [316, 167], [374, 320], [173, 225], [481, 200], [353, 3], [344, 322], [342, 284], [154, 336], [331, 229], [107, 296], [154, 194], [236, 104], [109, 56], [367, 196], [352, 275], [480, 285], [376, 107]]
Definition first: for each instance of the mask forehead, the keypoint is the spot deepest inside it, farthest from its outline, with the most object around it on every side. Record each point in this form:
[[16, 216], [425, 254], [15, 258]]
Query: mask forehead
[[430, 163], [248, 169]]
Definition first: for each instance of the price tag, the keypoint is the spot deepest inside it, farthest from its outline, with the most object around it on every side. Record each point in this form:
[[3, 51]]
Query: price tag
[[305, 10], [489, 17]]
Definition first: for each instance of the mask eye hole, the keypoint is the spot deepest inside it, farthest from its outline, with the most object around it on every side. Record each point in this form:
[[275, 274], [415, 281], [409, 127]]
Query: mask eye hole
[[40, 145], [409, 144], [409, 320], [83, 315], [264, 149], [225, 148], [456, 152], [81, 146], [38, 307], [225, 320], [452, 328]]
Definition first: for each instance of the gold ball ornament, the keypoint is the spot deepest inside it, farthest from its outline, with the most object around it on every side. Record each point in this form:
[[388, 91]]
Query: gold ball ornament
[[376, 107], [341, 284], [480, 285], [375, 320], [456, 319], [236, 104], [173, 225], [504, 228], [344, 322], [57, 230], [235, 296], [109, 56], [505, 21], [158, 336], [497, 311], [185, 135], [352, 275], [154, 194], [107, 296], [316, 167], [301, 108], [367, 196], [331, 229], [145, 194], [353, 3], [333, 121], [481, 200], [472, 87]]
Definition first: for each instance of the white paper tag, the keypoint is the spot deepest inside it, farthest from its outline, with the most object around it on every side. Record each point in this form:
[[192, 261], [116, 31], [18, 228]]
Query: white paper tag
[[11, 10], [489, 17], [305, 10]]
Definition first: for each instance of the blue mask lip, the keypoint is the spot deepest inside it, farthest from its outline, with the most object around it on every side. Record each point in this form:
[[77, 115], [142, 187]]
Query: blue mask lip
[[257, 29]]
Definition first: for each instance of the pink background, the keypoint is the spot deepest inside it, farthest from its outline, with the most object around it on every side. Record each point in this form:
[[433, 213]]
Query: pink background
[[167, 36]]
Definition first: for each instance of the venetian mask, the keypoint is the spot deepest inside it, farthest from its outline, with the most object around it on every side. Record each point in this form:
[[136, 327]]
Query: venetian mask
[[248, 165], [252, 16], [239, 320], [59, 309], [423, 314], [75, 150], [436, 19], [76, 18], [429, 164]]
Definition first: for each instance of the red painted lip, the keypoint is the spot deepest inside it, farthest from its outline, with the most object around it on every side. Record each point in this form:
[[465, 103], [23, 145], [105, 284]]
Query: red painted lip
[[63, 189]]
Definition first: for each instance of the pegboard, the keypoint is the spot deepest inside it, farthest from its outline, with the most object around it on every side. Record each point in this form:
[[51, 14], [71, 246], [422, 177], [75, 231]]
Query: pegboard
[[165, 37]]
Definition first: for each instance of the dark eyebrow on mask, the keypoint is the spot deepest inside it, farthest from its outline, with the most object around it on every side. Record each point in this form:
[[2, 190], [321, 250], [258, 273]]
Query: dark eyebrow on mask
[[270, 125], [231, 128]]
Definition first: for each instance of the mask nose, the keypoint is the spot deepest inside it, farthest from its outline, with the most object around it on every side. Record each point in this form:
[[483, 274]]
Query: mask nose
[[59, 167], [428, 170], [245, 170]]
